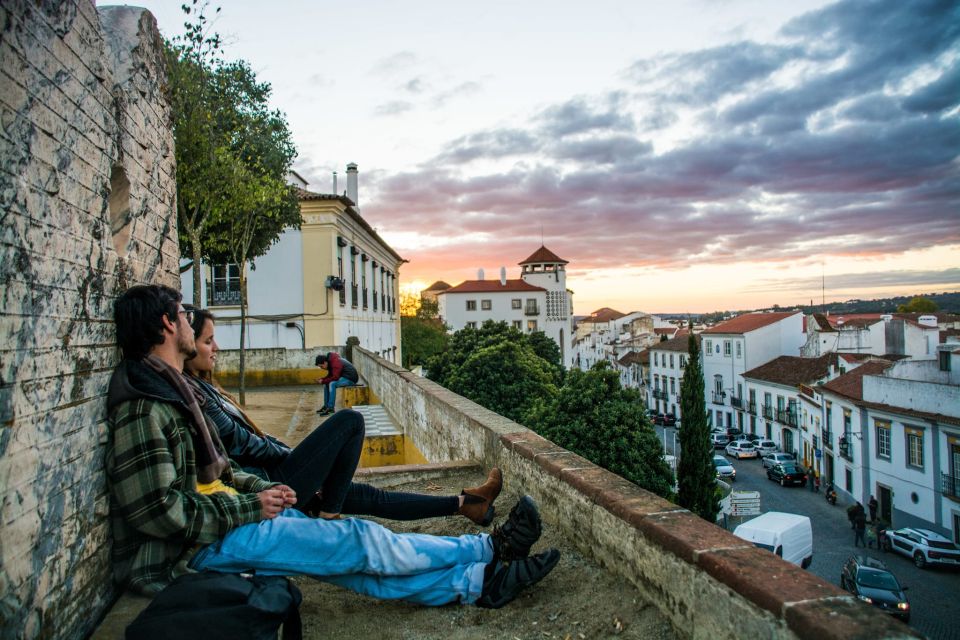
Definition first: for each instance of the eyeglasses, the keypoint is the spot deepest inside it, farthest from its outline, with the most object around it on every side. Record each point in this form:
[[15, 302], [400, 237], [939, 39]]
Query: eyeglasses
[[189, 315]]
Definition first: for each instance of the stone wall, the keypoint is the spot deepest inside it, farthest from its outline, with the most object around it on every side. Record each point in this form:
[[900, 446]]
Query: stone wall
[[274, 366], [87, 199], [710, 583]]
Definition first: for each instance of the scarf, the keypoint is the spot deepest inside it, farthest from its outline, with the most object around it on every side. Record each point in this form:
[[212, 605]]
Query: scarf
[[211, 462]]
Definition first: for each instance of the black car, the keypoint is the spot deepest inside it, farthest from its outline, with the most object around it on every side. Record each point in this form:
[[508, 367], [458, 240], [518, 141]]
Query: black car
[[871, 581], [787, 473], [668, 420]]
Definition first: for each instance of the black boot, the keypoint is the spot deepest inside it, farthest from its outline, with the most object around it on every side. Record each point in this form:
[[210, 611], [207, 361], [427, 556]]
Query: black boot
[[512, 540], [503, 581]]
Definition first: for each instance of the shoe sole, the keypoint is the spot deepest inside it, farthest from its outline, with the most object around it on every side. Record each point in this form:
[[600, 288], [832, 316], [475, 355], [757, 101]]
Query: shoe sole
[[550, 561]]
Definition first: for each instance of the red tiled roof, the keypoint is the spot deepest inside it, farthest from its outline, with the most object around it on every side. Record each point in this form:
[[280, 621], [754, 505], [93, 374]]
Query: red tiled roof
[[605, 314], [542, 255], [491, 286], [679, 343], [439, 285], [350, 205], [850, 385], [822, 322], [749, 322], [635, 357], [793, 370], [665, 331]]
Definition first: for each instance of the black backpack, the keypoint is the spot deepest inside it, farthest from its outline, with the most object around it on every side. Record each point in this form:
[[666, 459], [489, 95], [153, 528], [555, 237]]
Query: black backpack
[[209, 605]]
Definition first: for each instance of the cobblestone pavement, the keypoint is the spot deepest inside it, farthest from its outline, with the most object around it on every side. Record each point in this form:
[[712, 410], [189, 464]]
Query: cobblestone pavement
[[933, 592]]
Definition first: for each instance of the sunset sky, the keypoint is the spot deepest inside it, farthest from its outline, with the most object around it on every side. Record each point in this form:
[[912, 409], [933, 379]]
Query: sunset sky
[[686, 156]]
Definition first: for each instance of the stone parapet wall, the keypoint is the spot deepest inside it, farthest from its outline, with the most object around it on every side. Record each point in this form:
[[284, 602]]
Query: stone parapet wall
[[87, 197], [710, 583], [275, 366]]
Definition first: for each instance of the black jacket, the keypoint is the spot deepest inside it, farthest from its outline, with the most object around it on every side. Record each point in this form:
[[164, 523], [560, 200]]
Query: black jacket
[[243, 444]]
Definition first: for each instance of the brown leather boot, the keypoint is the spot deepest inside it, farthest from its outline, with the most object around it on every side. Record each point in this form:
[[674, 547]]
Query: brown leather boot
[[478, 501]]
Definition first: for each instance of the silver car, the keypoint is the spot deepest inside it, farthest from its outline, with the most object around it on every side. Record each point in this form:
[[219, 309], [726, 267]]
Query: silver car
[[725, 470], [765, 446], [772, 459], [924, 546]]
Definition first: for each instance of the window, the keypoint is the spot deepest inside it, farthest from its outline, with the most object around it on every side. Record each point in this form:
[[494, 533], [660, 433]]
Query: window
[[726, 348], [471, 325], [656, 359], [673, 385], [883, 439], [683, 361], [471, 305], [486, 305], [531, 308], [517, 324], [848, 478], [343, 291], [226, 285], [373, 283], [739, 350], [914, 447], [363, 281], [516, 303], [353, 276], [531, 325], [944, 357], [709, 347], [656, 382], [671, 360]]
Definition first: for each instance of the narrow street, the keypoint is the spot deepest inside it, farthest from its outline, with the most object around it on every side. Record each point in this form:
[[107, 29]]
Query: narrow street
[[932, 593]]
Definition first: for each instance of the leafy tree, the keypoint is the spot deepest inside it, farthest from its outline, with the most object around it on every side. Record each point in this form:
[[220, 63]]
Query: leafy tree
[[505, 376], [428, 310], [696, 474], [421, 339], [918, 304], [545, 347], [594, 416]]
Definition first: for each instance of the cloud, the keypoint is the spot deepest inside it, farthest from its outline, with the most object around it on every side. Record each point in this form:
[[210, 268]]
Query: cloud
[[462, 90], [840, 137], [392, 108], [394, 64], [946, 277]]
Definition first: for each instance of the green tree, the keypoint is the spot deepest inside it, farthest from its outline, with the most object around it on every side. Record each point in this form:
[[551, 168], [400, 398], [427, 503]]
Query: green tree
[[918, 304], [505, 376], [696, 474], [595, 417], [421, 339]]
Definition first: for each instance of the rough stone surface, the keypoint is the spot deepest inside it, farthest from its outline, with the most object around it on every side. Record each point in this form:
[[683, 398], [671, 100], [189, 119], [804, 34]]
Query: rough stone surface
[[87, 199]]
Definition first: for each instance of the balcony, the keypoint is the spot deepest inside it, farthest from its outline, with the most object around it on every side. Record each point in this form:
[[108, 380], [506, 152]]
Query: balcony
[[531, 310], [752, 407], [736, 403], [828, 440], [950, 486], [846, 447], [220, 295], [767, 412], [787, 416], [717, 398], [660, 394]]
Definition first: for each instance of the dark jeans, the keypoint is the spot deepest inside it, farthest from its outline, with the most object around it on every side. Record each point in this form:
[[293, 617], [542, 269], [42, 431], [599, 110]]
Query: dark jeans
[[326, 461]]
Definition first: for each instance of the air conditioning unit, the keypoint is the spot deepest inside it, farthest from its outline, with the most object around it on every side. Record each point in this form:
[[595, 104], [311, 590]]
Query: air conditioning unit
[[335, 283]]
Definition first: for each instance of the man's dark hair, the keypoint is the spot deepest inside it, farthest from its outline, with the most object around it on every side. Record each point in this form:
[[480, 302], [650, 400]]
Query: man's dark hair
[[138, 312], [321, 359]]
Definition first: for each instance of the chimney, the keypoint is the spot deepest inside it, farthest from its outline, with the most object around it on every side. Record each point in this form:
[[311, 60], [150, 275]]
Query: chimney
[[503, 276], [334, 192], [479, 274], [352, 183]]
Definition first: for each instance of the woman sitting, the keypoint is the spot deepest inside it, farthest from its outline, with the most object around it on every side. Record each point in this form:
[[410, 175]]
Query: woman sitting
[[323, 464]]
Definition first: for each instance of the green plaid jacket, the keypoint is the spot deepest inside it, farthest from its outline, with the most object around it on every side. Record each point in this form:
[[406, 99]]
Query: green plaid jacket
[[158, 517]]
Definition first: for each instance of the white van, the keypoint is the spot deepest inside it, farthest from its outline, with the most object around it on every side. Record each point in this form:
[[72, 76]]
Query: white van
[[788, 535]]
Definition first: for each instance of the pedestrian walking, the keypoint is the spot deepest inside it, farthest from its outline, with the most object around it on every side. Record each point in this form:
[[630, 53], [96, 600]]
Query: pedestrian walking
[[816, 482], [872, 505], [811, 475], [859, 528]]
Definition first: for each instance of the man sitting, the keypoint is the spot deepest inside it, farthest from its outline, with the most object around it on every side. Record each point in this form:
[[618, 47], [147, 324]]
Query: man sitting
[[340, 373], [178, 504]]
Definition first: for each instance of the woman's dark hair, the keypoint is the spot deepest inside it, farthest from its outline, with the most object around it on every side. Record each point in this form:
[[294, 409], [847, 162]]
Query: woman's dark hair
[[138, 314], [200, 317]]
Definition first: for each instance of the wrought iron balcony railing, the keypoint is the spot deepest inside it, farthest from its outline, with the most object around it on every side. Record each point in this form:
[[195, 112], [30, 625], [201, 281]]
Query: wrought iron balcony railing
[[752, 407], [787, 416], [531, 310], [736, 402], [717, 398], [768, 412], [220, 296], [950, 486], [660, 394]]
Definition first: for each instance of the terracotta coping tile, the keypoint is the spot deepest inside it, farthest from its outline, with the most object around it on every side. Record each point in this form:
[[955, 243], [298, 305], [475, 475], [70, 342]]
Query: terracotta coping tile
[[634, 508], [765, 579], [844, 619], [684, 534]]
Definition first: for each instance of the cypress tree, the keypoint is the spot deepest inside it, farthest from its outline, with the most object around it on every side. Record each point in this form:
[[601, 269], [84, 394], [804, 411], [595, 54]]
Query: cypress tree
[[696, 474]]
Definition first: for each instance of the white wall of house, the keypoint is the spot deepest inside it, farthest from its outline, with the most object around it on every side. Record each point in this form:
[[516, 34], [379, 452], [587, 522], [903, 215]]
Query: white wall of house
[[666, 375], [453, 308]]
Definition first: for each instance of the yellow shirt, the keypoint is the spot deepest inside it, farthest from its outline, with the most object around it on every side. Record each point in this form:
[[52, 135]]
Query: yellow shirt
[[216, 486]]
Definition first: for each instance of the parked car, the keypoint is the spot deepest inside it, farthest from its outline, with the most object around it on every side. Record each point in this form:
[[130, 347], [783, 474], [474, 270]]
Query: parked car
[[871, 581], [719, 440], [787, 473], [733, 433], [752, 437], [923, 545], [765, 446], [772, 459], [725, 470], [788, 535], [741, 449], [668, 420]]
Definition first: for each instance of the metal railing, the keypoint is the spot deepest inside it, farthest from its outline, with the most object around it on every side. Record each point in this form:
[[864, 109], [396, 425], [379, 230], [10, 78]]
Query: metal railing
[[752, 407], [717, 398], [768, 412], [736, 402], [220, 296], [950, 486], [828, 440], [660, 394], [531, 310], [787, 416]]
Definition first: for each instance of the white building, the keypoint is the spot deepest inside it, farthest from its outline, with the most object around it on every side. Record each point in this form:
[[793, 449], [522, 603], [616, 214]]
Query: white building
[[734, 346], [668, 360], [634, 368], [904, 334], [608, 334], [538, 301], [292, 301], [895, 429]]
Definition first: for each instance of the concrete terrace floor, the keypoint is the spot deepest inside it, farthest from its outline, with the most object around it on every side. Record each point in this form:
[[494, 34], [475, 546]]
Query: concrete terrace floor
[[578, 600]]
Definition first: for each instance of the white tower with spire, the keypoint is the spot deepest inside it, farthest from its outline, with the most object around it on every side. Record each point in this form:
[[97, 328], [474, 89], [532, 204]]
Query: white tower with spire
[[547, 270]]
